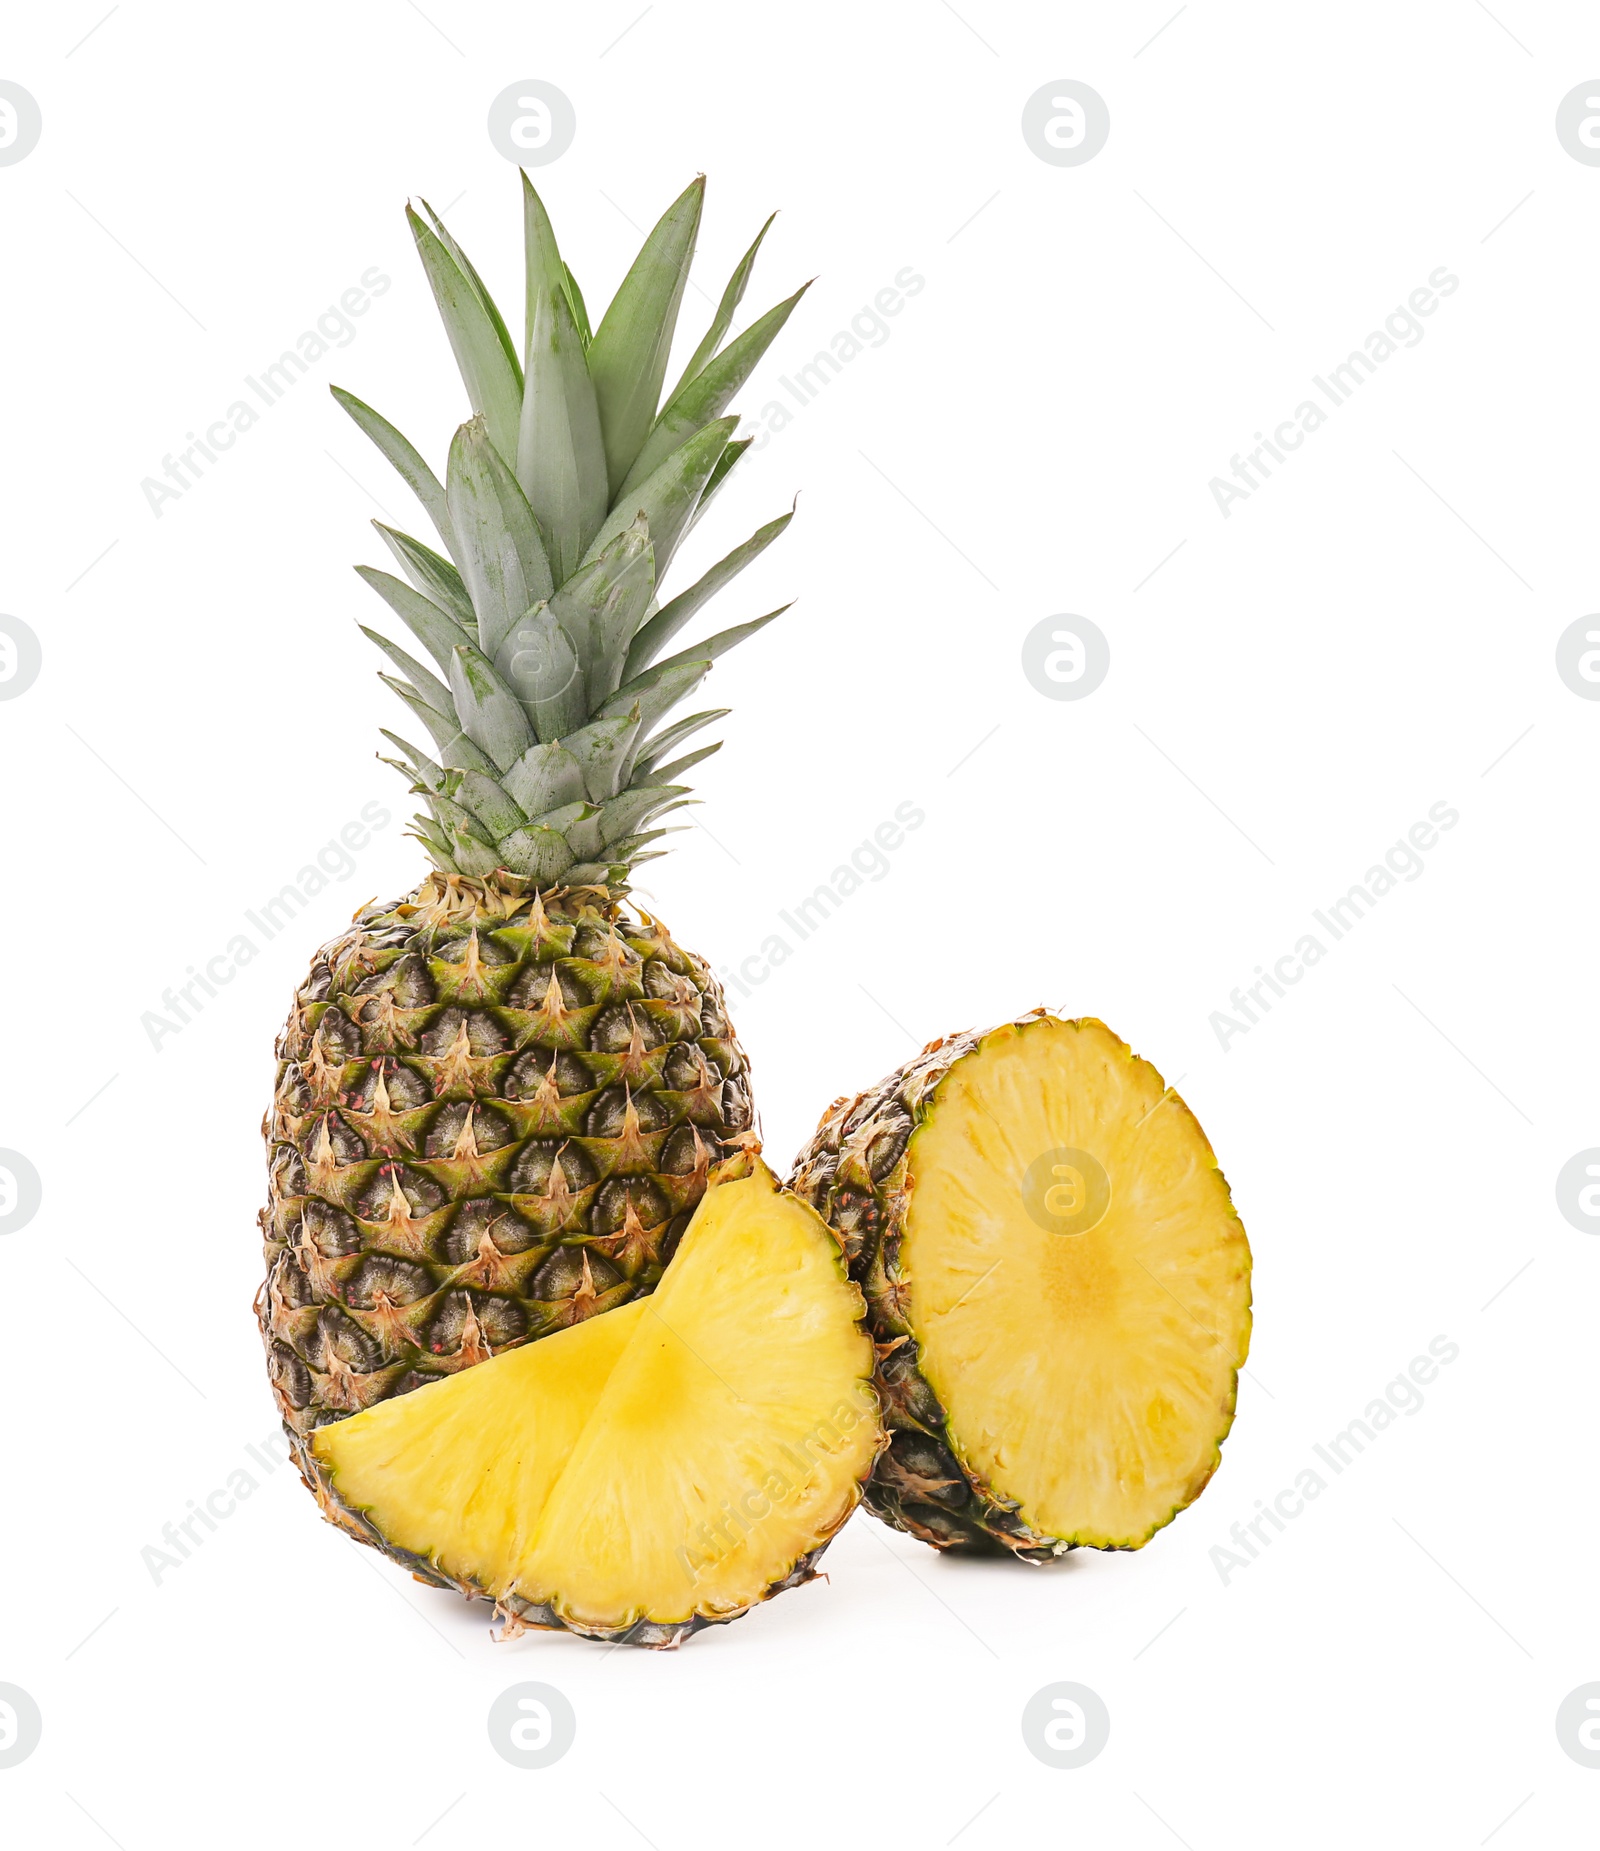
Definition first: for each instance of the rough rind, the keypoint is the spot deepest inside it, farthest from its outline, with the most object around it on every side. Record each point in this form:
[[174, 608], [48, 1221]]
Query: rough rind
[[429, 1087], [854, 1173]]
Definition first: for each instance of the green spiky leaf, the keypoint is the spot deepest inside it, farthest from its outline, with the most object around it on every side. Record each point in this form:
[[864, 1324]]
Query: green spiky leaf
[[561, 461], [433, 839], [537, 851], [709, 394], [626, 853], [477, 285], [543, 269], [491, 715], [539, 664], [452, 816], [441, 725], [624, 815], [722, 321], [426, 683], [713, 646], [415, 473], [602, 605], [724, 468], [602, 749], [674, 735], [655, 692], [459, 753], [490, 803], [667, 497], [416, 762], [436, 630], [433, 576], [470, 856], [503, 558], [679, 766], [478, 337], [545, 777], [580, 312], [654, 636], [628, 356]]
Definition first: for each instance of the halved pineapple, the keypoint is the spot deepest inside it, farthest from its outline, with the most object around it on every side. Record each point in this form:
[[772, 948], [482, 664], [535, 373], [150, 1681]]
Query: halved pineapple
[[654, 1469], [1052, 1261]]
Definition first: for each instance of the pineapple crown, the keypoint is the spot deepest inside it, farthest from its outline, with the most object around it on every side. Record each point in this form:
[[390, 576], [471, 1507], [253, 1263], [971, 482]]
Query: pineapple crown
[[565, 496]]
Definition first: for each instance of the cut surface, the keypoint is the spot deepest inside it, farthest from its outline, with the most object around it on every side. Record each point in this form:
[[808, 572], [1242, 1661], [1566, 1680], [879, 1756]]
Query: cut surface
[[1081, 1322], [677, 1458], [457, 1471], [732, 1435]]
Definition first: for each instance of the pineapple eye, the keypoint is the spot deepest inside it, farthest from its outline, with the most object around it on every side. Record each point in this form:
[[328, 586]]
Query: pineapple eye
[[620, 1028], [487, 950], [466, 1122], [563, 1275], [402, 1282], [534, 1171], [620, 1195], [290, 1377], [337, 1036], [487, 1220]]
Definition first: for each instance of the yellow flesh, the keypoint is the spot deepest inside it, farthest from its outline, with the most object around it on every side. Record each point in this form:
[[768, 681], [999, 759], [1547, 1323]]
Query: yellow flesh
[[675, 1457], [455, 1471], [1088, 1376]]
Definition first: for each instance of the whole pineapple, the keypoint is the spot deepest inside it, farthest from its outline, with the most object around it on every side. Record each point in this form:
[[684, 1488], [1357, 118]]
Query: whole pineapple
[[499, 1099]]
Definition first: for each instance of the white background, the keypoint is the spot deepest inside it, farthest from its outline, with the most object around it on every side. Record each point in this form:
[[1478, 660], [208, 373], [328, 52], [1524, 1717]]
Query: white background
[[1369, 634]]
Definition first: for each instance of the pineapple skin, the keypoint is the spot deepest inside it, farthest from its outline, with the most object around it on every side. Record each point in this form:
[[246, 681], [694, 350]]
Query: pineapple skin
[[495, 1111]]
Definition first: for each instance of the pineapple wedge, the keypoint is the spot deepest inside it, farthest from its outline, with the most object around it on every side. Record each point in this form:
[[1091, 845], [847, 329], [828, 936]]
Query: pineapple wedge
[[654, 1469]]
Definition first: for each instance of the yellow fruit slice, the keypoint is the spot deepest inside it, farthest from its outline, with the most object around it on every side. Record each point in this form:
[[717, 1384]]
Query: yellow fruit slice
[[1079, 1281], [666, 1464], [459, 1471], [732, 1434]]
